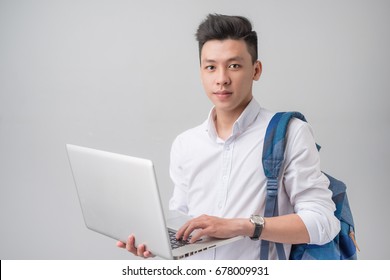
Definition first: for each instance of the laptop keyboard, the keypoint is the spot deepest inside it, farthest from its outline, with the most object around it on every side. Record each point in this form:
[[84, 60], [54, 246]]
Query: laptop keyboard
[[174, 242]]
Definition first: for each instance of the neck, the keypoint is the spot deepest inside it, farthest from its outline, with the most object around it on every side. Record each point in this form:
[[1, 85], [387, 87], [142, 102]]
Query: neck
[[224, 125], [224, 121]]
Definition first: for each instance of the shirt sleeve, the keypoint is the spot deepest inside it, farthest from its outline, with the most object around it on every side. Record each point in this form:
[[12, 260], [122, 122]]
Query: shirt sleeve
[[178, 201], [307, 186]]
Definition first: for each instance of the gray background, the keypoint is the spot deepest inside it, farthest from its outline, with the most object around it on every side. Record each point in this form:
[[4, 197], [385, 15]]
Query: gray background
[[123, 76]]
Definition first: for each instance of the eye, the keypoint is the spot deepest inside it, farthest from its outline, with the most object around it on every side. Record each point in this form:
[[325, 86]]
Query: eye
[[234, 66], [210, 67]]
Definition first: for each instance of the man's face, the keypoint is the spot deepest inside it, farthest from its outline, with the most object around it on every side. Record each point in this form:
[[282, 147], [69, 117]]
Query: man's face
[[228, 73]]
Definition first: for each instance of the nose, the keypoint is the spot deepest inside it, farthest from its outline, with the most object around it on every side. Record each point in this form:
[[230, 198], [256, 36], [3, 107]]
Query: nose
[[222, 77]]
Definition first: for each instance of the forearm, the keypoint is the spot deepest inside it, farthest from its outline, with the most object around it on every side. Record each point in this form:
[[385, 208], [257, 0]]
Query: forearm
[[283, 229]]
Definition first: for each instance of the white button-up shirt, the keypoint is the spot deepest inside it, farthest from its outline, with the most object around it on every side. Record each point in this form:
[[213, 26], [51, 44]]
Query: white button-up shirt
[[226, 179]]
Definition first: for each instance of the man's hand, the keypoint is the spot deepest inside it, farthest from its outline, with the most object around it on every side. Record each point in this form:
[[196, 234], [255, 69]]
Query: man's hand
[[139, 251], [215, 227]]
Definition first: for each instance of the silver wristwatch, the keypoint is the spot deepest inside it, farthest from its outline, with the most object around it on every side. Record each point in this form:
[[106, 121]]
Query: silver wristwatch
[[259, 222]]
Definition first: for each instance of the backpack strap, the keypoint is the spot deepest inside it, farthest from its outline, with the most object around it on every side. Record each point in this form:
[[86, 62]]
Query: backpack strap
[[273, 156]]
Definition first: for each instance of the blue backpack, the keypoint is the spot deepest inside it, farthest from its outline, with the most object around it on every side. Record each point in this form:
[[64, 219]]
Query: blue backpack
[[343, 246]]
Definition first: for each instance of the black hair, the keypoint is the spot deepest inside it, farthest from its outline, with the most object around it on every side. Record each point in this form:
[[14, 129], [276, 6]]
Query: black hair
[[221, 27]]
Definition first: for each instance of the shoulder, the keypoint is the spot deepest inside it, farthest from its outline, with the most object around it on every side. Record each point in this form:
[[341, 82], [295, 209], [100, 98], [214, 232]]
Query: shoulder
[[192, 133], [298, 133], [265, 115], [300, 138], [189, 137], [298, 128]]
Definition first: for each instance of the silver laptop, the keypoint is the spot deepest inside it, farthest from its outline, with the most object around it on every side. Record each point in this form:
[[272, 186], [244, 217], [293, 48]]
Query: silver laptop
[[119, 196]]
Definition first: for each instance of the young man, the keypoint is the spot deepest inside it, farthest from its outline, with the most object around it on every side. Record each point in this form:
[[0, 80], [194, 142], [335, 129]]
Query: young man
[[216, 167]]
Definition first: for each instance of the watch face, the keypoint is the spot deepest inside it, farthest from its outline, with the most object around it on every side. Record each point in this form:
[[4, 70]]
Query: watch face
[[257, 219]]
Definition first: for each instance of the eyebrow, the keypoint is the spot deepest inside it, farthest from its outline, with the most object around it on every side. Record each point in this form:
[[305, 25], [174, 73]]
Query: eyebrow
[[235, 58]]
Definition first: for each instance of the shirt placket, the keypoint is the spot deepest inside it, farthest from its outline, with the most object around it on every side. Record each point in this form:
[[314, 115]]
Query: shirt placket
[[227, 157]]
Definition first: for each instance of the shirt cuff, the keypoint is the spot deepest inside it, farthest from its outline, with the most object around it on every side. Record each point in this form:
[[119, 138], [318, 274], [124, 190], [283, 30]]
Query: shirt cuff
[[316, 226]]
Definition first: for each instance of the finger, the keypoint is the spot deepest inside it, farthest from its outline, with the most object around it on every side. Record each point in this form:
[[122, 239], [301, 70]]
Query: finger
[[188, 231], [182, 229], [130, 245], [197, 234], [141, 250], [120, 244], [195, 225], [148, 254]]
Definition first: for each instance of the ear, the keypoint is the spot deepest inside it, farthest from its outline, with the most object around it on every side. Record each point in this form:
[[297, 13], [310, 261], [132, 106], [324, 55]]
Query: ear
[[257, 70]]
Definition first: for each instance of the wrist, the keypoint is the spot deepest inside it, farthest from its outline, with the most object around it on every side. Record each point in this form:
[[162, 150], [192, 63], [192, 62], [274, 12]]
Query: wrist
[[244, 227], [258, 223]]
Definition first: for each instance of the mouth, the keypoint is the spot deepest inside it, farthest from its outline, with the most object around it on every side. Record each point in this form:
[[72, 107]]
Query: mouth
[[222, 93]]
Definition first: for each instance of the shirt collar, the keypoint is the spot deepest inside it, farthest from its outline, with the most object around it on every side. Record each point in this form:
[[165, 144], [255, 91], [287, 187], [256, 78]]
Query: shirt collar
[[247, 117]]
